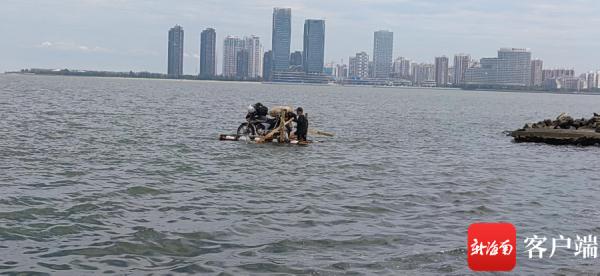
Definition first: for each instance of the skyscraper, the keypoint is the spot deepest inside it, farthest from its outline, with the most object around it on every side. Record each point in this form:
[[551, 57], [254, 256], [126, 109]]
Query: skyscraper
[[267, 66], [383, 47], [296, 58], [254, 48], [359, 66], [281, 38], [231, 46], [242, 61], [175, 49], [314, 46], [536, 72], [512, 68], [208, 53], [441, 71], [461, 63]]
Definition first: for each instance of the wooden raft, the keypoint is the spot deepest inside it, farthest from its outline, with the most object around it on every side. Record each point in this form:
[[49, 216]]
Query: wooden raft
[[257, 139], [280, 129]]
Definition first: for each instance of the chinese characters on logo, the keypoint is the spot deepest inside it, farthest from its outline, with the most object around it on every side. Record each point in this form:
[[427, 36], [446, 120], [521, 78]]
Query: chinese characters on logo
[[491, 249]]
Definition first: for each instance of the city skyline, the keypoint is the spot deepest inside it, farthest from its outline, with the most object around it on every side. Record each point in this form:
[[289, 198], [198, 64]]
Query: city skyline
[[569, 44]]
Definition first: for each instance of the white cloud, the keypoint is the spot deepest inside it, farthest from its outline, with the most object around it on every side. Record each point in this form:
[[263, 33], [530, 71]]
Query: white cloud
[[70, 46]]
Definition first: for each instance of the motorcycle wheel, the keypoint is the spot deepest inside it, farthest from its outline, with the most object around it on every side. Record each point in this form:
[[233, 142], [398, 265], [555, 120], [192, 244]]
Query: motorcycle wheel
[[260, 130], [246, 129]]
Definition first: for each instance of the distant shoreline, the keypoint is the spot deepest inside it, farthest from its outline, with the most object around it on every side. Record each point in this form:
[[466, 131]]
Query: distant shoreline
[[194, 78]]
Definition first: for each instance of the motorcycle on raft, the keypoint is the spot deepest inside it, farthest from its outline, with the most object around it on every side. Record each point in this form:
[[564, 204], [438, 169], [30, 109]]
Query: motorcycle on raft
[[259, 125]]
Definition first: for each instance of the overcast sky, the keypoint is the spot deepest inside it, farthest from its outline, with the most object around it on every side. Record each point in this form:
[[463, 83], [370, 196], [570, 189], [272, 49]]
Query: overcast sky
[[123, 35]]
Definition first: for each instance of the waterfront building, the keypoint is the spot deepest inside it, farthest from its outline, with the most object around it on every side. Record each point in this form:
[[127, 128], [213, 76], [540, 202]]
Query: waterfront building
[[267, 66], [511, 69], [314, 46], [359, 66], [383, 47], [352, 67], [591, 79], [441, 71], [572, 83], [423, 74], [175, 52], [254, 48], [300, 77], [329, 69], [296, 58], [401, 68], [242, 63], [557, 73], [281, 38], [461, 63], [341, 71], [231, 47], [537, 73], [208, 53]]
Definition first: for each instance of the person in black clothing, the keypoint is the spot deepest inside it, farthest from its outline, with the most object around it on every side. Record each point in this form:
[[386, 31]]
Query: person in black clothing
[[301, 124]]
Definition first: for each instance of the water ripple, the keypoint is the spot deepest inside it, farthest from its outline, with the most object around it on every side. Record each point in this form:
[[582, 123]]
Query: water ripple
[[122, 176]]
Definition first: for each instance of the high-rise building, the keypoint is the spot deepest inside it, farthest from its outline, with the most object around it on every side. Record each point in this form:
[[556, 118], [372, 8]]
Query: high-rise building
[[423, 73], [590, 79], [175, 49], [242, 62], [341, 71], [461, 63], [231, 46], [296, 58], [557, 73], [441, 71], [281, 38], [512, 68], [359, 66], [267, 66], [383, 47], [208, 53], [314, 46], [401, 68], [536, 73], [352, 67], [254, 48]]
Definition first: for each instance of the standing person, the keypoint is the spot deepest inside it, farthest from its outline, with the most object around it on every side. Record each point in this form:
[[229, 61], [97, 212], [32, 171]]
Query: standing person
[[301, 125]]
